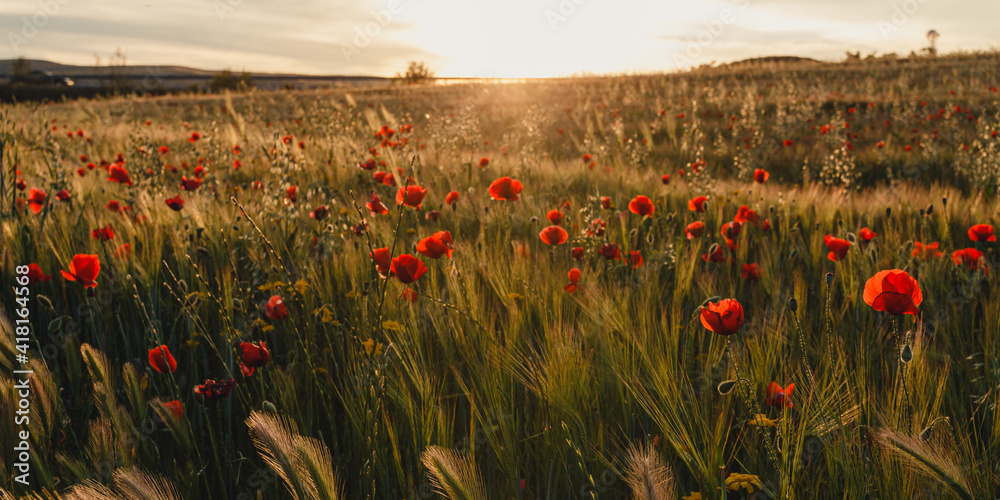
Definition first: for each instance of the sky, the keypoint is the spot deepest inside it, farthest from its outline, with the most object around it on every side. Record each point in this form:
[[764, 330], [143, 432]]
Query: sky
[[479, 38]]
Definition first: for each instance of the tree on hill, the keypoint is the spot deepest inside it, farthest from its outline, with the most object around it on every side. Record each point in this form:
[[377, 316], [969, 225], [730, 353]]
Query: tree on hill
[[416, 72], [19, 69]]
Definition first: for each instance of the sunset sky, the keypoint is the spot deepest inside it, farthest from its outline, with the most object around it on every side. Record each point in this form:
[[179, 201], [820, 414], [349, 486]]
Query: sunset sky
[[509, 39]]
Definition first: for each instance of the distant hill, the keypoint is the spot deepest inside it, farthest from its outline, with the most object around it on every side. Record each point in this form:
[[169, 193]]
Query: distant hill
[[772, 60], [179, 77]]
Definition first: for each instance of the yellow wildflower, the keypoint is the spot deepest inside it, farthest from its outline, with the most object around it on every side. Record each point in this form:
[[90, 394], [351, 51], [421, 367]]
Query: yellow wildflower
[[695, 495], [514, 296], [268, 328], [350, 294], [301, 286], [370, 346], [761, 420], [392, 325], [745, 481]]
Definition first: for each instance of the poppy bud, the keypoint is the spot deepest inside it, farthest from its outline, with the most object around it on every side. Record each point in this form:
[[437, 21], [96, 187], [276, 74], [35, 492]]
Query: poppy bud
[[944, 201], [907, 354], [55, 325], [817, 226], [921, 212], [888, 211], [355, 245], [794, 253], [534, 220], [650, 239], [44, 300], [853, 239], [840, 222], [713, 248], [793, 304], [268, 407], [237, 303], [829, 278], [930, 209], [182, 285], [725, 386]]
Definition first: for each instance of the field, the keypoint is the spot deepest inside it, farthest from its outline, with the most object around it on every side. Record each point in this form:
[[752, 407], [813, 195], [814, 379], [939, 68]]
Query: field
[[231, 297]]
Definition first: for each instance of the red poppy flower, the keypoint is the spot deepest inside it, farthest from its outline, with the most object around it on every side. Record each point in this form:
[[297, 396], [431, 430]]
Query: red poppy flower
[[194, 137], [731, 230], [979, 232], [36, 200], [292, 193], [212, 390], [746, 215], [123, 251], [697, 204], [255, 355], [413, 198], [319, 213], [114, 206], [635, 259], [694, 229], [175, 408], [752, 272], [436, 245], [838, 247], [163, 150], [724, 317], [275, 308], [787, 143], [176, 203], [641, 205], [610, 251], [574, 279], [383, 259], [586, 157], [760, 175], [867, 234], [925, 251], [84, 268], [190, 184], [778, 396], [893, 291], [118, 174], [553, 235], [665, 179], [161, 360], [555, 217], [577, 253], [483, 162], [451, 198], [375, 206], [407, 268], [970, 258], [606, 202], [62, 195], [715, 254], [505, 188], [104, 234], [35, 274]]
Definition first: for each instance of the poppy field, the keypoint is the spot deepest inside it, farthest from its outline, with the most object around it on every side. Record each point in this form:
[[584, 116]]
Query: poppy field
[[763, 282]]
